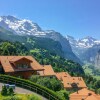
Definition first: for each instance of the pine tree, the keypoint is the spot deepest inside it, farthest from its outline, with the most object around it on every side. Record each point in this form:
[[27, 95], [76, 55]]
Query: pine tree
[[4, 90], [10, 91]]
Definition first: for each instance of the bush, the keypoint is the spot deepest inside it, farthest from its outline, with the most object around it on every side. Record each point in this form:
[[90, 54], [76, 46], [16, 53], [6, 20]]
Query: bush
[[63, 93], [10, 91], [33, 97], [7, 91], [4, 90], [51, 83], [34, 78], [98, 91]]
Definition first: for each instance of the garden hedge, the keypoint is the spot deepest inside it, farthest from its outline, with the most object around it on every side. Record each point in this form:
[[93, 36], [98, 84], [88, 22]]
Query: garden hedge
[[45, 92]]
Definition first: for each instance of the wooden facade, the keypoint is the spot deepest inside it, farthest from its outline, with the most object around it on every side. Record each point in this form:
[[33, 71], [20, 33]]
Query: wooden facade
[[19, 66]]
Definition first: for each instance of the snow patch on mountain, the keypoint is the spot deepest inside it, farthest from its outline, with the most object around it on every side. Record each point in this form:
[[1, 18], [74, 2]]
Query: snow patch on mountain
[[20, 27], [1, 19], [86, 42]]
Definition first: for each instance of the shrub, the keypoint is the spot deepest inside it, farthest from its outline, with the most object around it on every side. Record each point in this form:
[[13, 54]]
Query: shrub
[[4, 90], [63, 93], [51, 83], [98, 91], [10, 91], [34, 97], [34, 78]]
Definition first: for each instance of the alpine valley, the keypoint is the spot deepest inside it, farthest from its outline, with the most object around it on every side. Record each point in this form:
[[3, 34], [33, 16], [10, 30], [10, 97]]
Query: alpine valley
[[21, 37], [29, 34]]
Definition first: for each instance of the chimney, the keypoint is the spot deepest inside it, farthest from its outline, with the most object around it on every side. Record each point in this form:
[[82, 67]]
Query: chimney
[[77, 91], [89, 94]]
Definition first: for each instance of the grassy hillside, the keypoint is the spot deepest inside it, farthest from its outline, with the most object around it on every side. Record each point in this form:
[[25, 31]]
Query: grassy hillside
[[89, 69], [43, 56], [32, 42], [61, 48]]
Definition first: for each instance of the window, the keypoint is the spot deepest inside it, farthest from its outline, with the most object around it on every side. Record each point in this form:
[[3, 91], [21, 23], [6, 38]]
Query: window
[[23, 66]]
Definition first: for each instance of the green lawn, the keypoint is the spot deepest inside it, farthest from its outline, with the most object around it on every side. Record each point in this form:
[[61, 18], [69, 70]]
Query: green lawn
[[35, 51], [21, 97], [88, 71]]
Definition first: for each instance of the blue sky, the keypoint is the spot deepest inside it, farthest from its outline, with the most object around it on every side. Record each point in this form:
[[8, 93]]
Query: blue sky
[[78, 18]]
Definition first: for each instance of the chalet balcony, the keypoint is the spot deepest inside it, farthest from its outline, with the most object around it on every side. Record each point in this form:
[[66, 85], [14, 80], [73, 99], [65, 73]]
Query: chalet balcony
[[23, 69]]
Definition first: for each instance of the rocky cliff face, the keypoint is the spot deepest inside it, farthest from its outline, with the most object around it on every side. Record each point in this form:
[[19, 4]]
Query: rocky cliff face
[[85, 48], [97, 60]]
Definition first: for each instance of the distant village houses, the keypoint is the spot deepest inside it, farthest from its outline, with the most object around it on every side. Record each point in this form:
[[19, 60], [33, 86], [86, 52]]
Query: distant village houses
[[26, 66]]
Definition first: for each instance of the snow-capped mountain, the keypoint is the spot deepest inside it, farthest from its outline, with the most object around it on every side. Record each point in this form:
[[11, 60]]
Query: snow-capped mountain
[[20, 27], [86, 42], [23, 27], [85, 48]]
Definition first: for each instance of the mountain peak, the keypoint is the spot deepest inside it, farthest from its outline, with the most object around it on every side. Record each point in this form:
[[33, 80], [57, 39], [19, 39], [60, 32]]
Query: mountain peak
[[85, 42], [19, 27], [89, 38], [69, 37], [25, 27], [9, 17]]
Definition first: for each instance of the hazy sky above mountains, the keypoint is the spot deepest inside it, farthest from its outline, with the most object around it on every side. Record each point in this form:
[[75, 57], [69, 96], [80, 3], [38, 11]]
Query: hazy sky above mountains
[[78, 18]]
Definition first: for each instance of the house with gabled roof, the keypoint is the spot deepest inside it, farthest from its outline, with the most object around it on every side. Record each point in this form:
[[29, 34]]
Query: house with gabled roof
[[48, 71], [23, 66], [26, 66], [84, 94], [70, 82]]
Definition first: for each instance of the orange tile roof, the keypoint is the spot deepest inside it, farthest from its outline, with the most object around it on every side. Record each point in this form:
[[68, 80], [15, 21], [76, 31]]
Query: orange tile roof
[[6, 62], [83, 91], [14, 59], [92, 97], [48, 71], [84, 94], [61, 75], [68, 81]]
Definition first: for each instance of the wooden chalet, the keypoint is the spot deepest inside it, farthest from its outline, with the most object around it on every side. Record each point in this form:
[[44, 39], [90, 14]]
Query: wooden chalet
[[22, 66]]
